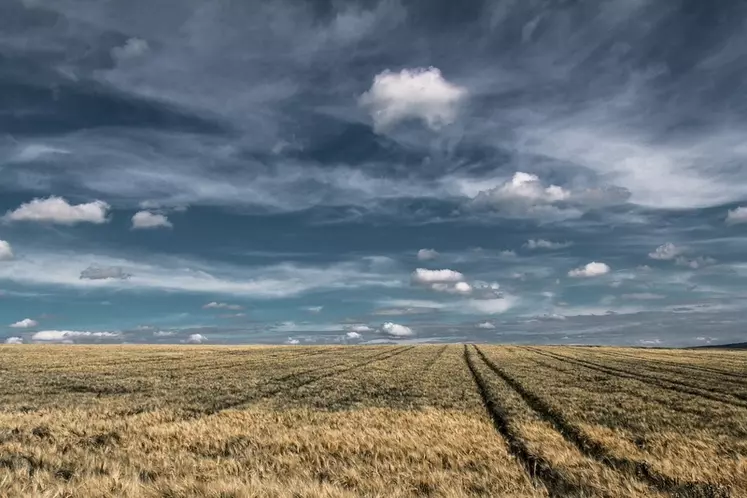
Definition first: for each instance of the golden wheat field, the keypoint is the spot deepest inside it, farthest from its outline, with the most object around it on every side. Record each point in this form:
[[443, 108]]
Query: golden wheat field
[[379, 421]]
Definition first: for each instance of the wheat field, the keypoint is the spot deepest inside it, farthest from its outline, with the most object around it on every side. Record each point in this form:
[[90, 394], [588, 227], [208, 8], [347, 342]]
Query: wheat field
[[378, 421]]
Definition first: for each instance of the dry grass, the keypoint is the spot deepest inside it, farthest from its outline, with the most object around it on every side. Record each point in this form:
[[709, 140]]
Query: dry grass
[[371, 421]]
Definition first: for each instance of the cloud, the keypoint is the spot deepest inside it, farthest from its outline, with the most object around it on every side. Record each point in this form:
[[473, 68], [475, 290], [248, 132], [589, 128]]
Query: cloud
[[524, 196], [486, 325], [592, 269], [133, 48], [26, 323], [457, 288], [146, 219], [666, 252], [427, 254], [694, 263], [412, 94], [737, 216], [6, 252], [353, 335], [644, 296], [164, 333], [360, 329], [507, 253], [14, 340], [292, 341], [69, 335], [196, 339], [57, 210], [493, 306], [424, 277], [396, 330], [222, 306], [546, 244], [314, 309], [94, 272], [34, 152]]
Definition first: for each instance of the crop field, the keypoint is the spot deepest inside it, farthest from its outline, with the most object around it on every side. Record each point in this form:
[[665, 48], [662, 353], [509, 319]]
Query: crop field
[[383, 421]]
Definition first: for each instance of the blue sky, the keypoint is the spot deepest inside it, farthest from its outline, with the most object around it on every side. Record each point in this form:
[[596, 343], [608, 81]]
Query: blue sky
[[356, 172]]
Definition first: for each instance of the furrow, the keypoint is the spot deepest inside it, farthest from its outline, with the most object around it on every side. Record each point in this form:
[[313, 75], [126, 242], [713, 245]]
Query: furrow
[[664, 384], [538, 468], [636, 469]]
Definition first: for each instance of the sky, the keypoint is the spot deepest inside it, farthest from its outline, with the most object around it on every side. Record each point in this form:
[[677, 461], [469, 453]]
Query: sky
[[509, 171]]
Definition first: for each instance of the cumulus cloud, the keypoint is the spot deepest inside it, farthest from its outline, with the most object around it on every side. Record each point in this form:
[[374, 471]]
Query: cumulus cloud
[[147, 219], [485, 325], [94, 272], [592, 269], [424, 277], [666, 252], [6, 252], [14, 340], [546, 244], [457, 288], [69, 335], [133, 48], [196, 339], [525, 196], [412, 94], [57, 210], [222, 306], [737, 216], [427, 254], [353, 335], [396, 330], [26, 323], [292, 341]]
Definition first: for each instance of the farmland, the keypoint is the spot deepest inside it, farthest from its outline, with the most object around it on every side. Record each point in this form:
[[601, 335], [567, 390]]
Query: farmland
[[389, 421]]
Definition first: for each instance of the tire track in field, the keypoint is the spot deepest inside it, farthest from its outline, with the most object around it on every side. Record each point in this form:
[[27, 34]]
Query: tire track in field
[[592, 448], [435, 359], [272, 392], [537, 467], [661, 383], [661, 363]]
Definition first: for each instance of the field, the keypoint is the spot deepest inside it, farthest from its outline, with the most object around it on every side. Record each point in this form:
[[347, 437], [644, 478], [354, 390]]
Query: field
[[385, 421]]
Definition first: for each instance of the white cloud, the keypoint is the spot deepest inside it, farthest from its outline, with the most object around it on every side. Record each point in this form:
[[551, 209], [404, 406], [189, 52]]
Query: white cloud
[[222, 306], [396, 330], [546, 244], [425, 277], [427, 254], [292, 341], [133, 48], [146, 219], [492, 306], [353, 335], [6, 252], [592, 269], [164, 333], [359, 329], [104, 273], [666, 252], [69, 335], [508, 253], [457, 288], [314, 309], [412, 94], [485, 325], [58, 210], [524, 196], [14, 340], [196, 339], [26, 323], [737, 216]]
